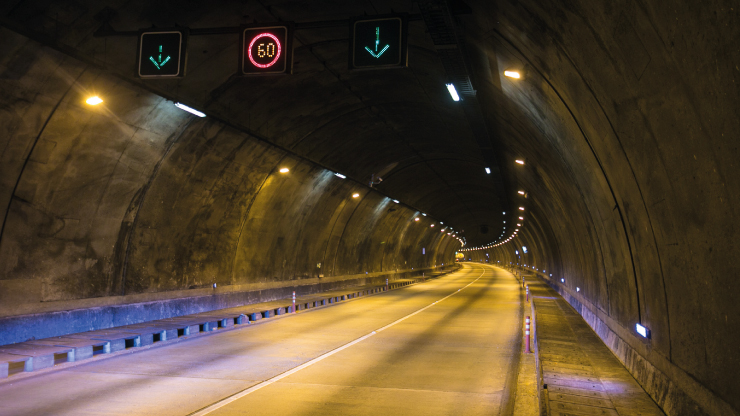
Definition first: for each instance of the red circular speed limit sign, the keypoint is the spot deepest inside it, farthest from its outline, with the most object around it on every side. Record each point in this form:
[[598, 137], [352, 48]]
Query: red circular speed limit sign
[[264, 50]]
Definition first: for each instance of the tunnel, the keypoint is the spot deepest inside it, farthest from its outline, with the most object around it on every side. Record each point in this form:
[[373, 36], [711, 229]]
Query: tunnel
[[590, 145]]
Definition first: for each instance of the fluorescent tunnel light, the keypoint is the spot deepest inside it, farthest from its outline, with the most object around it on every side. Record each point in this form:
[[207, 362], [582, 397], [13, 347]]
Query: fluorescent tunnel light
[[189, 110], [453, 92]]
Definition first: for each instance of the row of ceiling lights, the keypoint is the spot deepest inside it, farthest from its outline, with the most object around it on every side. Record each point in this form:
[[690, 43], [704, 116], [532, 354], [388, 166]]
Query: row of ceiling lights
[[416, 219], [95, 100], [519, 224], [640, 329], [510, 73]]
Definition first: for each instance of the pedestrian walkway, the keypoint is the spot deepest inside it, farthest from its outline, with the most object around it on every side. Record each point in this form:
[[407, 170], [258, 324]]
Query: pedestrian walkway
[[581, 375]]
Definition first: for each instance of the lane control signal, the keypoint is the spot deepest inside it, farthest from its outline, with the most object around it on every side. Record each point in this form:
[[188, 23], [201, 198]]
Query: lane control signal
[[378, 42], [162, 53]]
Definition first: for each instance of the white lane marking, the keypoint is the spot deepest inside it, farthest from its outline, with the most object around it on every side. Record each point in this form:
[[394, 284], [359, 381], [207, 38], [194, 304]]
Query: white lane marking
[[239, 395]]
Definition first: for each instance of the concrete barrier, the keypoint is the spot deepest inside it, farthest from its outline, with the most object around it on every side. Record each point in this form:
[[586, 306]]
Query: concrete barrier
[[15, 329], [44, 353]]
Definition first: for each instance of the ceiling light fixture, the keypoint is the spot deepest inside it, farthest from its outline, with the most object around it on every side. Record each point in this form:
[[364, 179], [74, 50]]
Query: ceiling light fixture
[[513, 74], [190, 110], [453, 92], [94, 100]]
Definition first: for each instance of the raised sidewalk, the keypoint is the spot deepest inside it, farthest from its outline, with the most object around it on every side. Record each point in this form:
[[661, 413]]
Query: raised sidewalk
[[578, 374]]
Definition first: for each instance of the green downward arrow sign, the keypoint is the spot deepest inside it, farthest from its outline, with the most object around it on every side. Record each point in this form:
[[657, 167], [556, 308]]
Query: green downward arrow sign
[[159, 63], [375, 53]]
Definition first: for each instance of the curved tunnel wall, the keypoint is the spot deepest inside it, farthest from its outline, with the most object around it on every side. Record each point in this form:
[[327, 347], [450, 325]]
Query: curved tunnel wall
[[632, 180], [136, 200]]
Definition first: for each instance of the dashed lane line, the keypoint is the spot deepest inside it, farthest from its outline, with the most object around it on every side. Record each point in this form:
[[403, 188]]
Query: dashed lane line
[[236, 396]]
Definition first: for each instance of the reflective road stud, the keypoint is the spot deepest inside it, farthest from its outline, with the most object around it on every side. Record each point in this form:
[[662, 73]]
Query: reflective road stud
[[526, 337]]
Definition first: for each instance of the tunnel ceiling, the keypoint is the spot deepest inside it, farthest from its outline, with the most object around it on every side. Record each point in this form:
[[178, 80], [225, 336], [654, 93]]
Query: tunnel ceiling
[[400, 123]]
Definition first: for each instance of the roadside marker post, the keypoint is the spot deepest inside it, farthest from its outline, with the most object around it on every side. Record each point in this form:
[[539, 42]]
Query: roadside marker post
[[527, 350]]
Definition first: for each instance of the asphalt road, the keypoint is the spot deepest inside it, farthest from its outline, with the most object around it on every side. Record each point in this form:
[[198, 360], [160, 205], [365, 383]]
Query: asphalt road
[[445, 347]]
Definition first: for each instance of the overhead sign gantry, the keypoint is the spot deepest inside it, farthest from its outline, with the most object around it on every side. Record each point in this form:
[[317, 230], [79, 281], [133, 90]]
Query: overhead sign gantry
[[376, 42]]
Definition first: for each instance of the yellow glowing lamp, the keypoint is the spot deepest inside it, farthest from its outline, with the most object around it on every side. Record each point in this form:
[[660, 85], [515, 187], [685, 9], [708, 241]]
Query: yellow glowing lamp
[[94, 100], [513, 74]]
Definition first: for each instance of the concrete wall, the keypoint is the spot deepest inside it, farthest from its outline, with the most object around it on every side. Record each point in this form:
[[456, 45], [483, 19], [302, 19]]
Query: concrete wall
[[137, 201], [628, 123]]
